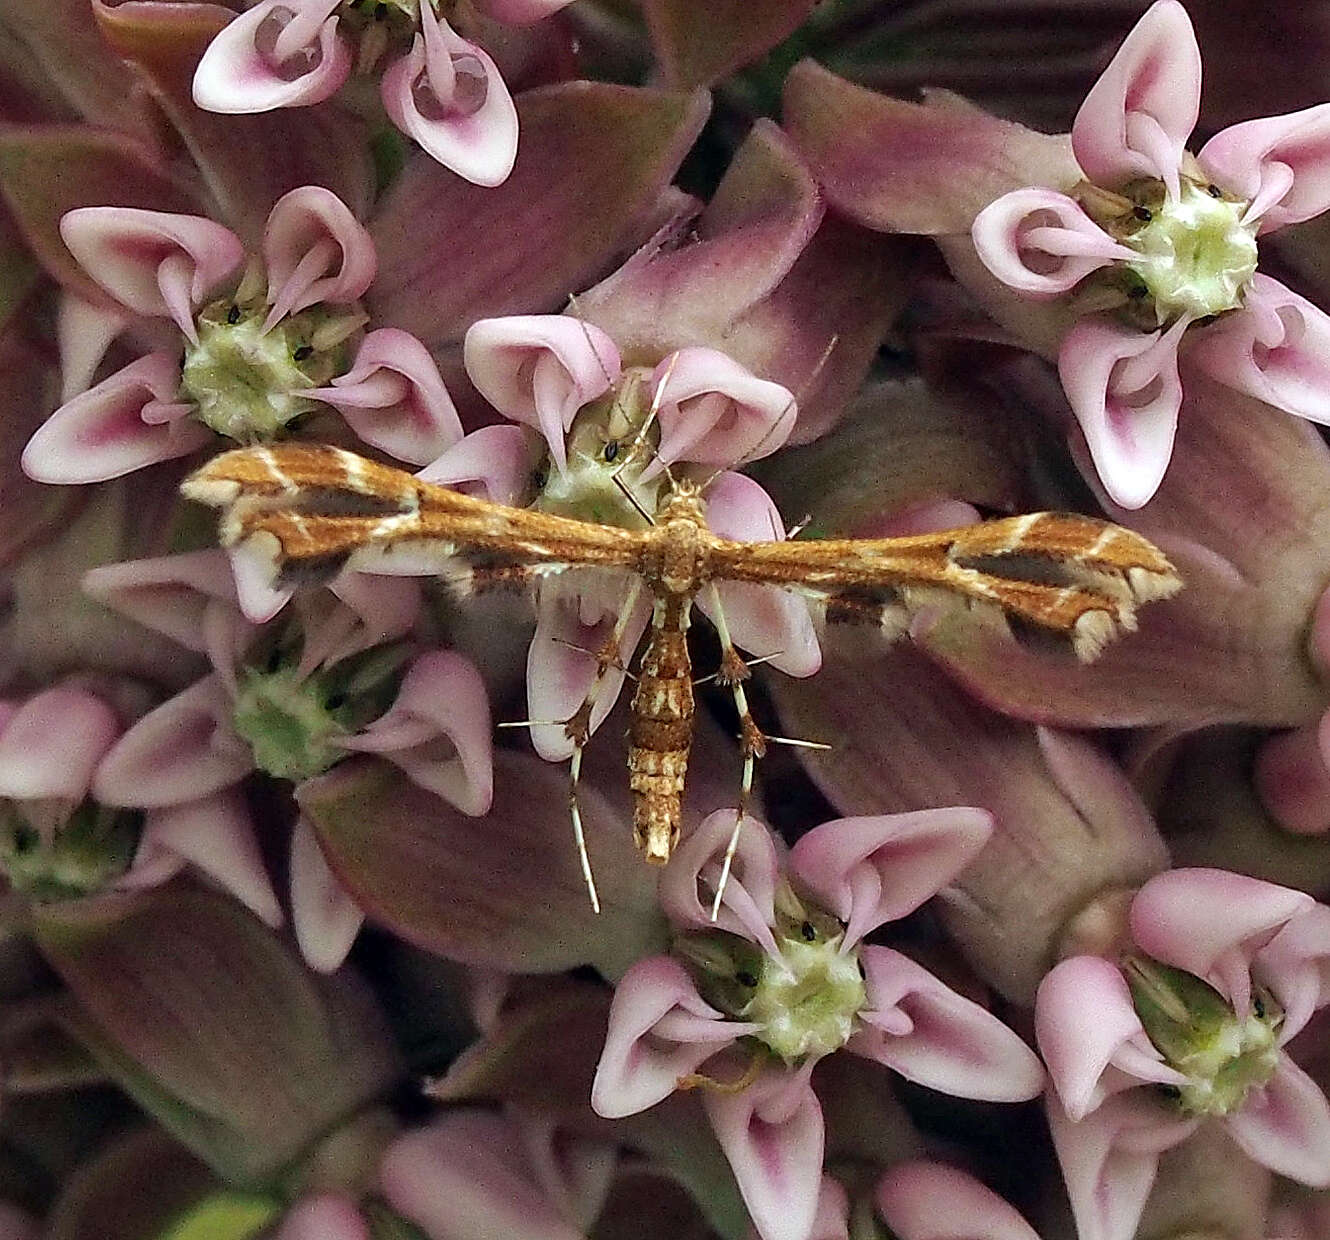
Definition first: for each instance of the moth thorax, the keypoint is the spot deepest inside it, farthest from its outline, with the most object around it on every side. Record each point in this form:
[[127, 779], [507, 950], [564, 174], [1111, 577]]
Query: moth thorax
[[683, 554]]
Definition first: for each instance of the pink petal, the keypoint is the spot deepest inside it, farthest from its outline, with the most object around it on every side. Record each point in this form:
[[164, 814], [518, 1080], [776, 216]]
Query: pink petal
[[540, 369], [1280, 164], [1212, 923], [576, 1173], [449, 96], [385, 608], [766, 621], [181, 751], [925, 1200], [660, 1029], [1274, 348], [1286, 1126], [832, 1221], [109, 430], [575, 613], [51, 745], [1292, 777], [328, 1216], [85, 331], [1041, 242], [748, 905], [502, 459], [394, 398], [714, 411], [216, 836], [179, 595], [953, 1044], [234, 75], [438, 731], [1295, 965], [315, 251], [1137, 118], [521, 12], [773, 1135], [1083, 1020], [1109, 1160], [324, 916], [872, 870], [154, 262], [467, 1174], [1123, 388]]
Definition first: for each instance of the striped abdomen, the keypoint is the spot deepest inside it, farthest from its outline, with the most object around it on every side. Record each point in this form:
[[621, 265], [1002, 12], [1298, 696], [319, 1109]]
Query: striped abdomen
[[661, 732]]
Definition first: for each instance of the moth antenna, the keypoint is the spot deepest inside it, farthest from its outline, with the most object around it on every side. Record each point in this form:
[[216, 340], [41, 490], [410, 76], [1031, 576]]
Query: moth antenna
[[752, 743], [600, 361], [656, 398], [627, 493]]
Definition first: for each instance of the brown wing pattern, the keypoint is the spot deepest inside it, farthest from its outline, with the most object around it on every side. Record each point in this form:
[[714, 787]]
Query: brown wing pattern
[[1060, 572], [311, 510]]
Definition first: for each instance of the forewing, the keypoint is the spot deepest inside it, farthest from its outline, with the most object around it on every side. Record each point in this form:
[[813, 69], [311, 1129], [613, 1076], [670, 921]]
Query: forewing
[[1060, 572], [307, 511]]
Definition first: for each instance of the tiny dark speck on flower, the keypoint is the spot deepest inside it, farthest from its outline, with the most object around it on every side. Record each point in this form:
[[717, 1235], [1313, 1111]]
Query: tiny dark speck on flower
[[233, 315], [305, 350]]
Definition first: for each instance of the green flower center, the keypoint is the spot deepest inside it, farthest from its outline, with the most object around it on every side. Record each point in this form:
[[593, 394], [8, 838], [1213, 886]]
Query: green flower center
[[806, 1002], [1222, 1055], [246, 383], [294, 722], [86, 852], [1196, 254], [607, 453]]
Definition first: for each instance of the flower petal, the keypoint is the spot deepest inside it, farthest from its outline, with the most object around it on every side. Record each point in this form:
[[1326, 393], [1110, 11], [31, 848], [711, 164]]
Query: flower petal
[[925, 1200], [541, 369], [1295, 964], [1083, 1018], [85, 331], [502, 459], [575, 613], [773, 1135], [51, 745], [1212, 923], [394, 398], [1137, 118], [748, 905], [248, 67], [1042, 243], [325, 1216], [179, 595], [449, 96], [106, 432], [1292, 777], [315, 251], [1124, 389], [872, 870], [1280, 164], [467, 1174], [438, 731], [324, 916], [216, 836], [717, 412], [154, 262], [1286, 1126], [953, 1045], [521, 12], [1109, 1160], [1274, 348], [660, 1029], [181, 751]]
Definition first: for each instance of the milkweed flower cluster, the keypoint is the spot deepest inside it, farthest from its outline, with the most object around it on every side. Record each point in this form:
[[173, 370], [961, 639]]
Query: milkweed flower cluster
[[297, 815]]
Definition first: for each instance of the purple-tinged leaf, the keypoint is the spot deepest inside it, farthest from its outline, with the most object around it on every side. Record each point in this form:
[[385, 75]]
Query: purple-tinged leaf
[[914, 168], [503, 891], [46, 170], [213, 1024], [903, 738], [592, 162], [699, 47]]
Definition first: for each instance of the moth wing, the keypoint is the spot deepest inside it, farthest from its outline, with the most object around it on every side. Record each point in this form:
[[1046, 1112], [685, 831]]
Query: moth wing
[[1062, 573], [305, 512]]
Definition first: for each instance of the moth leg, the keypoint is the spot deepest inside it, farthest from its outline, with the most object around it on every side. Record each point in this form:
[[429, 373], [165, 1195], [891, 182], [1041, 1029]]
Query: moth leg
[[577, 727], [733, 672]]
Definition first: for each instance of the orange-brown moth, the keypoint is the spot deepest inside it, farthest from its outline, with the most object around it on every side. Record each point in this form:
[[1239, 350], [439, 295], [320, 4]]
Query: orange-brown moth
[[310, 510]]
